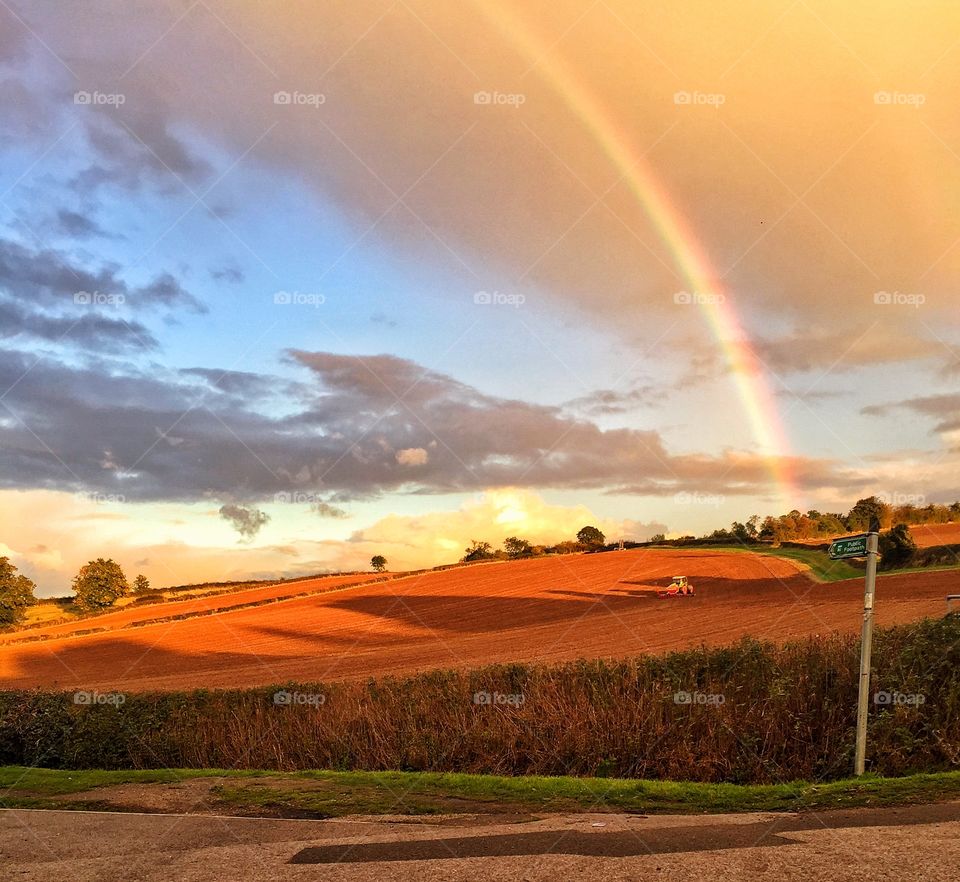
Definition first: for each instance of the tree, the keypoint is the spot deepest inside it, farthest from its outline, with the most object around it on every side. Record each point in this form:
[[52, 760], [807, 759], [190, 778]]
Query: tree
[[591, 538], [516, 547], [99, 584], [378, 562], [16, 593], [897, 546], [477, 551], [868, 511], [658, 537], [141, 585]]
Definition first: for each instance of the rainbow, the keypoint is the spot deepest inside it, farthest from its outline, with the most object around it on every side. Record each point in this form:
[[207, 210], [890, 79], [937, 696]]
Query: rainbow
[[706, 288]]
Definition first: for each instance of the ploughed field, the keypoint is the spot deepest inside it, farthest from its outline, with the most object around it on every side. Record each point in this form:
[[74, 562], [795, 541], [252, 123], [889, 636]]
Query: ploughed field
[[927, 535], [546, 609]]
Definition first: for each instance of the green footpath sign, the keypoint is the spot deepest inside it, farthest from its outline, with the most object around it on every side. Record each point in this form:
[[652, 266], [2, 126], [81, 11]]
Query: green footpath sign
[[850, 546]]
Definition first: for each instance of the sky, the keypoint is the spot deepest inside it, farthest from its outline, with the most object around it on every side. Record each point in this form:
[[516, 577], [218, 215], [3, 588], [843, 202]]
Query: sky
[[286, 285]]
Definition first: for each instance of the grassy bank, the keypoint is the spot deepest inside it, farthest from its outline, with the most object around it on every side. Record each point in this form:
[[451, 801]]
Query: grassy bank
[[817, 562], [337, 794]]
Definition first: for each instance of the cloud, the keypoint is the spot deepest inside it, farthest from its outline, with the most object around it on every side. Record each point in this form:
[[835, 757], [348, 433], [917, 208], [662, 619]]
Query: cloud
[[412, 456], [943, 409], [50, 278], [246, 520], [326, 510], [227, 273], [840, 351], [604, 402], [78, 226], [342, 428]]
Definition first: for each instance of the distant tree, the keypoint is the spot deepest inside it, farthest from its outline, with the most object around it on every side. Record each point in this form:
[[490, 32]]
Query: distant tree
[[141, 585], [378, 562], [591, 538], [565, 547], [16, 593], [657, 537], [478, 551], [897, 546], [516, 547], [99, 584], [867, 512]]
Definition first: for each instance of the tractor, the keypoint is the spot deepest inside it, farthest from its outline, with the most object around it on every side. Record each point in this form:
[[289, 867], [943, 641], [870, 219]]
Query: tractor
[[679, 587]]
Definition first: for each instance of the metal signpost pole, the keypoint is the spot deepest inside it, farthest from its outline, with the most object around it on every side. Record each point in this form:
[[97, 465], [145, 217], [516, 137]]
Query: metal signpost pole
[[866, 645]]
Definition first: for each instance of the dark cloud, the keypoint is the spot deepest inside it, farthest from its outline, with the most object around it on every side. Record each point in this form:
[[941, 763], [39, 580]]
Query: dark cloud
[[605, 402], [228, 273], [247, 521], [134, 146], [89, 329], [49, 277], [94, 429], [78, 226], [943, 409]]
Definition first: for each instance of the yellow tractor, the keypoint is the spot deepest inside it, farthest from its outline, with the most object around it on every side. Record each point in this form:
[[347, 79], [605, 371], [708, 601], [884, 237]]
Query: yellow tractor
[[679, 587]]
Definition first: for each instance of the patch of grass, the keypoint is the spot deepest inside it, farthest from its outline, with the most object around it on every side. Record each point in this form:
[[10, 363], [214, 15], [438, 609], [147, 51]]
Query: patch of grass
[[335, 794], [819, 566]]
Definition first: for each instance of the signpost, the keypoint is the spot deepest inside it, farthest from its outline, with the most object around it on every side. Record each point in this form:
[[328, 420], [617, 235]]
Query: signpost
[[864, 545]]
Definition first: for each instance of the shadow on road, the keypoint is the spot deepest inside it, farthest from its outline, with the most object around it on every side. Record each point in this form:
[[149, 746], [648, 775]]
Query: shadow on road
[[628, 843]]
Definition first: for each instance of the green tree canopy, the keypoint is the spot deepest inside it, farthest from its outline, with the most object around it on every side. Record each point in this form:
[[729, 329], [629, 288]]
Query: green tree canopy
[[478, 550], [16, 593], [591, 537], [378, 562], [99, 584], [141, 585], [516, 547]]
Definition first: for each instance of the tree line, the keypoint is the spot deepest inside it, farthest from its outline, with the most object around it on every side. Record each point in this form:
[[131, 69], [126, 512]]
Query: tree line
[[821, 525], [589, 538], [97, 586]]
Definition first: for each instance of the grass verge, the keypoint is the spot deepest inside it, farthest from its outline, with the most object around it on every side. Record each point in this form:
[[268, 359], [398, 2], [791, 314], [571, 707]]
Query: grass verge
[[326, 794], [818, 563]]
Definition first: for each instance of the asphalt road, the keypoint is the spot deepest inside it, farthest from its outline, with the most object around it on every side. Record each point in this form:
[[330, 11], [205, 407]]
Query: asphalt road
[[921, 843]]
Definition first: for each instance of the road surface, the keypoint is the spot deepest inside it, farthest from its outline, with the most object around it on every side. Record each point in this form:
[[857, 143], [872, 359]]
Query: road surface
[[903, 844]]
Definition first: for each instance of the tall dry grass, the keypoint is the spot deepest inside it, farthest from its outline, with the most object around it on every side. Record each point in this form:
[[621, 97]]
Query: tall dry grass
[[786, 713]]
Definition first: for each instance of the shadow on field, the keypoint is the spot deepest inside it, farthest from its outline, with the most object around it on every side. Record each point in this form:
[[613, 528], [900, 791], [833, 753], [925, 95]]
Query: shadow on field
[[630, 843]]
